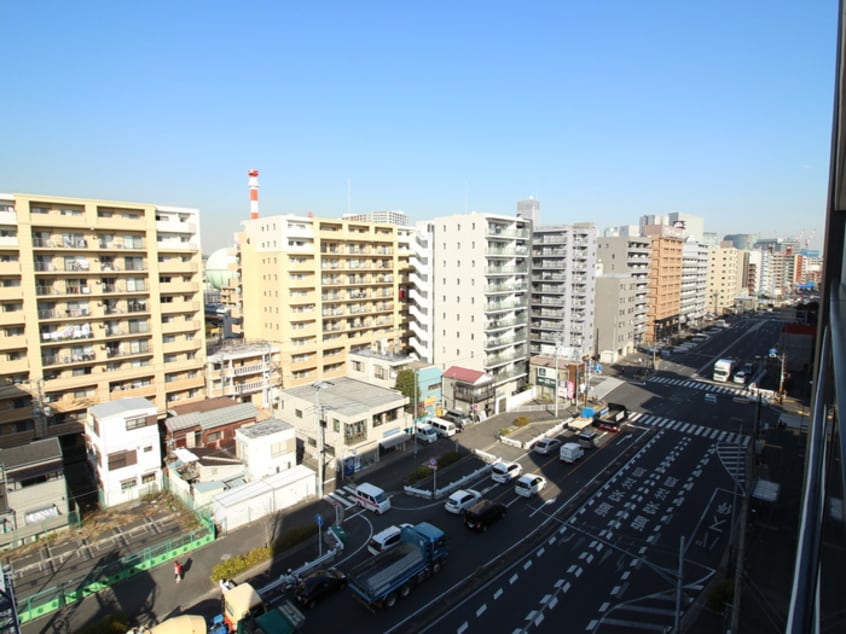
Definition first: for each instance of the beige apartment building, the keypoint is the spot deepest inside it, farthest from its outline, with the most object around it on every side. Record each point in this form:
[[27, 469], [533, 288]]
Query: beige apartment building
[[99, 300], [320, 288], [726, 278]]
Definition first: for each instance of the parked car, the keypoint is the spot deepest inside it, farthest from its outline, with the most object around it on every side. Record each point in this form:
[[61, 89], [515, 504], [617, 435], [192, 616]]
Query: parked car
[[386, 539], [546, 446], [484, 513], [461, 500], [506, 471], [319, 584], [529, 485]]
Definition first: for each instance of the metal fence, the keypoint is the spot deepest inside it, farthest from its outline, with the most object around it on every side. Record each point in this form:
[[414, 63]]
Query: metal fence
[[113, 572]]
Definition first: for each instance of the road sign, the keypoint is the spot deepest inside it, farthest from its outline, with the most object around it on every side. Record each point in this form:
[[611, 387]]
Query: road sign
[[319, 519], [433, 464], [597, 369]]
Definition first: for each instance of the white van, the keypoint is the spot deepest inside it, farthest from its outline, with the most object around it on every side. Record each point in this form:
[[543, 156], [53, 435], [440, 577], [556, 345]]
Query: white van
[[372, 498], [426, 433], [443, 427]]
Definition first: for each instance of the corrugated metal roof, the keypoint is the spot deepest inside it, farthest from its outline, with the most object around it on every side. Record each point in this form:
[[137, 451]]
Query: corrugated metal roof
[[466, 375], [210, 420]]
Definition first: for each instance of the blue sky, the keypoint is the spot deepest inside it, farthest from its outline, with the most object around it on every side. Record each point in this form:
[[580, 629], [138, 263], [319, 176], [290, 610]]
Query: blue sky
[[604, 111]]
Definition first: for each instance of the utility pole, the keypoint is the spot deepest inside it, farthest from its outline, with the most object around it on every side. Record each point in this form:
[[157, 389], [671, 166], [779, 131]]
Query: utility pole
[[321, 434], [679, 586], [414, 413]]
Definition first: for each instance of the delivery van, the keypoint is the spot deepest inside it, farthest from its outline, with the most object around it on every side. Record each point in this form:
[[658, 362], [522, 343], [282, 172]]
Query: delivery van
[[443, 427], [426, 433], [372, 498]]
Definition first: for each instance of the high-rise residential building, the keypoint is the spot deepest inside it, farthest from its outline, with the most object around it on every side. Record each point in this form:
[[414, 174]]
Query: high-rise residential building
[[99, 300], [319, 288], [621, 254], [480, 296], [665, 281], [725, 278], [694, 283], [563, 289], [384, 216], [420, 293], [529, 210], [617, 300]]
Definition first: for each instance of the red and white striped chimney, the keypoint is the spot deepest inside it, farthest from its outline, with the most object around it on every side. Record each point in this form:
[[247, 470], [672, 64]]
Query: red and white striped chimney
[[253, 174]]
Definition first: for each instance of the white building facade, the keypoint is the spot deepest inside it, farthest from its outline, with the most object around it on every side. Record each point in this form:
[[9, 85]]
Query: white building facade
[[123, 448]]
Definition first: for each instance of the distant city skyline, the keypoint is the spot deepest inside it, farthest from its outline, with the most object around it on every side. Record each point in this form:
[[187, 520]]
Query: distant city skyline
[[604, 113]]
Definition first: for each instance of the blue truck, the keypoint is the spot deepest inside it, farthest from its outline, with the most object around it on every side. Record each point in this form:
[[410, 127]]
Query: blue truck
[[392, 574]]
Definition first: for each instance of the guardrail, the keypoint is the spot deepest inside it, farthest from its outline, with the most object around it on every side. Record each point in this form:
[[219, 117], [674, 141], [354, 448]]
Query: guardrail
[[449, 488]]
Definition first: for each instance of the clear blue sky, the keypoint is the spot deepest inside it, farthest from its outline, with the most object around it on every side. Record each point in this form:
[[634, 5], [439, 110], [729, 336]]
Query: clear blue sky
[[602, 110]]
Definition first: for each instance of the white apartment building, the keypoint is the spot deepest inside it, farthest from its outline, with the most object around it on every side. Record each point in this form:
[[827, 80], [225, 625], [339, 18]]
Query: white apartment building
[[563, 285], [122, 439], [480, 297], [694, 283], [420, 293]]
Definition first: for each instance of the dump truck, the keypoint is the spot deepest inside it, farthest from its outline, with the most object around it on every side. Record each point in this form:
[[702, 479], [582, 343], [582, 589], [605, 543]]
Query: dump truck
[[243, 612], [612, 416], [393, 574]]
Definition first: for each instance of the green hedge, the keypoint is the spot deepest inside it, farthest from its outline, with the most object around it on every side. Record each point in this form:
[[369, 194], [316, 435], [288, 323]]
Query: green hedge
[[234, 566]]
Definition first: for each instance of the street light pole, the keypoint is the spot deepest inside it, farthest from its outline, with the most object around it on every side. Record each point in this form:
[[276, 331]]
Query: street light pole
[[555, 396], [414, 413]]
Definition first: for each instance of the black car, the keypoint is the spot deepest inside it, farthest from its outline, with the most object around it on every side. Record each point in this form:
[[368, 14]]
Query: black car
[[483, 513], [318, 584]]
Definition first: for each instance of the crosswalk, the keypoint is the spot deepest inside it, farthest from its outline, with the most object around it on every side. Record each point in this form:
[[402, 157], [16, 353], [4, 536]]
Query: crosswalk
[[344, 496], [697, 385], [717, 435]]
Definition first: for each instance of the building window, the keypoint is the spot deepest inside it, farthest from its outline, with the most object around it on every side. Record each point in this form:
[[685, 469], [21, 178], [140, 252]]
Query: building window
[[215, 436], [126, 485], [278, 448], [136, 423], [148, 478], [121, 459], [298, 413]]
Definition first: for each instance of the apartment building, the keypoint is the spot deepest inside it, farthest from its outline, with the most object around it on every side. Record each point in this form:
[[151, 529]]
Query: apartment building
[[480, 297], [319, 288], [563, 285], [248, 371], [694, 283], [98, 300], [619, 307], [420, 293], [726, 278], [628, 255], [664, 281]]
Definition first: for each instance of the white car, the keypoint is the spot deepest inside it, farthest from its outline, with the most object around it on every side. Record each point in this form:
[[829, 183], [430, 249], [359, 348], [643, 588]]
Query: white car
[[462, 500], [386, 539], [529, 485], [505, 471]]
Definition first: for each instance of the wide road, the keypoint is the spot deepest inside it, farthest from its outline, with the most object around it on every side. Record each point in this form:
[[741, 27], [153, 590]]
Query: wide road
[[612, 565]]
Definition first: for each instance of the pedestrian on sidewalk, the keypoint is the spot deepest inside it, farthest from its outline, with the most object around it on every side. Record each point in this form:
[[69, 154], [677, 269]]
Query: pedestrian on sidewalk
[[177, 571]]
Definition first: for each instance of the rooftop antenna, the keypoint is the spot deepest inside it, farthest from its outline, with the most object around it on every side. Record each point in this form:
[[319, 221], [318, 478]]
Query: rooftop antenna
[[349, 195]]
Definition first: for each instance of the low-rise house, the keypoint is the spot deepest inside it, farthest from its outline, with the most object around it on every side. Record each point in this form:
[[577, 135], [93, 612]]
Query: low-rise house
[[469, 392], [124, 449], [266, 448], [211, 423], [360, 422], [34, 493]]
